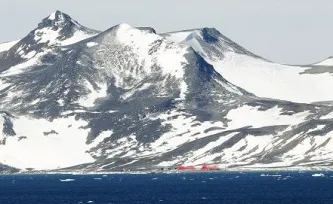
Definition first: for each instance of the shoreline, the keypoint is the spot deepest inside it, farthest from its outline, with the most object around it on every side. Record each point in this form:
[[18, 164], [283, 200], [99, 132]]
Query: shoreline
[[231, 170]]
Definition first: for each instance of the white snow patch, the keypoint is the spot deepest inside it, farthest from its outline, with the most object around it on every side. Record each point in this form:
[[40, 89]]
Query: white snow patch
[[327, 116], [252, 116], [34, 102], [100, 138], [39, 151], [125, 144], [131, 92], [7, 45], [183, 90], [299, 152], [317, 148], [50, 36], [271, 80], [89, 99], [319, 127], [92, 44], [86, 111], [192, 40], [61, 102], [29, 55], [19, 68], [178, 37], [77, 36], [203, 155], [181, 133], [52, 16], [245, 148], [170, 60]]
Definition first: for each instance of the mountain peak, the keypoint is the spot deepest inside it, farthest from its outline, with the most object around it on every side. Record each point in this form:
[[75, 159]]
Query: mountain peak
[[210, 35], [57, 29], [57, 15], [208, 41], [57, 19], [147, 29]]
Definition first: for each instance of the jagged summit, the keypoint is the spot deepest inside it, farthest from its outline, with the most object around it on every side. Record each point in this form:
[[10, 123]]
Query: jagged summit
[[59, 29], [57, 15], [56, 18], [56, 30]]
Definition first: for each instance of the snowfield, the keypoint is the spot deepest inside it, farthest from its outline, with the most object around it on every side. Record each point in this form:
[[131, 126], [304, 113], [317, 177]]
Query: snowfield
[[46, 145], [271, 80]]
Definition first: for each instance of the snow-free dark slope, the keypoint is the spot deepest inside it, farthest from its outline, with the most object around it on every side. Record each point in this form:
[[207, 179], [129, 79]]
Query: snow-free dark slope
[[128, 98]]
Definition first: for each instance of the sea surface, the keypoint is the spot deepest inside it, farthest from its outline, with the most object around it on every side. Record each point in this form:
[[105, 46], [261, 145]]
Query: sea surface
[[250, 188]]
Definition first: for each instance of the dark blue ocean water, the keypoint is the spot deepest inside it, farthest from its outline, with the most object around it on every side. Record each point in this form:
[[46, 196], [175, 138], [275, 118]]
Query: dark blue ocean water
[[228, 188]]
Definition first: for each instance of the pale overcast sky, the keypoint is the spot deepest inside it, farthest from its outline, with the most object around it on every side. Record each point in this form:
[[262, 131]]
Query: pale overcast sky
[[285, 31]]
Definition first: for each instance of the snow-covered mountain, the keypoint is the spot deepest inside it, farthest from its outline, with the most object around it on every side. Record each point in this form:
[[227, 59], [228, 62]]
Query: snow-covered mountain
[[128, 98], [302, 84], [42, 43]]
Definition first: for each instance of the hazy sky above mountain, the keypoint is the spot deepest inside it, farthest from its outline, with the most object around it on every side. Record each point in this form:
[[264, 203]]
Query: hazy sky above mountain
[[297, 31]]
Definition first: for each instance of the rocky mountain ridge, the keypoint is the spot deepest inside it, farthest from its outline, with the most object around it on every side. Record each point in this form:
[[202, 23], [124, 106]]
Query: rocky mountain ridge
[[128, 98]]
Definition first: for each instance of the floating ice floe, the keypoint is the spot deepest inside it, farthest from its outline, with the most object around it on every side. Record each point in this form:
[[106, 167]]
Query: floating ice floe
[[318, 175], [67, 180]]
